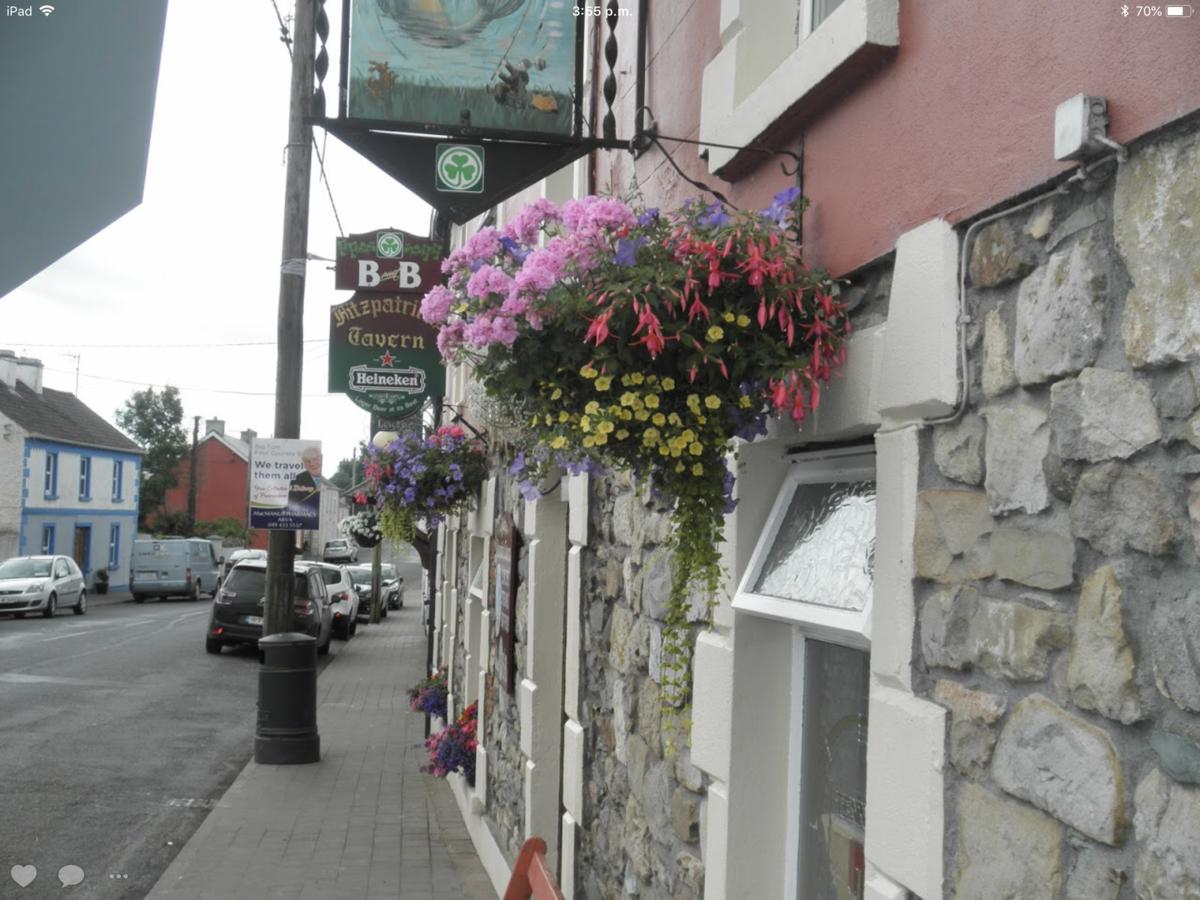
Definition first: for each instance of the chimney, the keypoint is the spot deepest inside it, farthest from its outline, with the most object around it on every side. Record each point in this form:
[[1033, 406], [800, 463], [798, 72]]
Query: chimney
[[29, 373], [248, 435], [8, 368], [214, 426]]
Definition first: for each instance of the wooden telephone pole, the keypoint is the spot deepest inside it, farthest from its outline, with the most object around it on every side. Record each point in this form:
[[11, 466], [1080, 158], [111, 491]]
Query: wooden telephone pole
[[281, 547]]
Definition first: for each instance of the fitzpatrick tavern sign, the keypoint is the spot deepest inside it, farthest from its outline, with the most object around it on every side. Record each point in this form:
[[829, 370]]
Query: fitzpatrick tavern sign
[[382, 355]]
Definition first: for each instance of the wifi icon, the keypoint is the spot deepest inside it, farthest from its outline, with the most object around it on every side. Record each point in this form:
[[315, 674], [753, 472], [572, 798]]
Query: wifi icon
[[46, 10]]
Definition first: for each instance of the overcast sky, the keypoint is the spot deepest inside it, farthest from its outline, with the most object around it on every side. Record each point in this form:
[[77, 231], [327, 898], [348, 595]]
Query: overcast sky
[[197, 263]]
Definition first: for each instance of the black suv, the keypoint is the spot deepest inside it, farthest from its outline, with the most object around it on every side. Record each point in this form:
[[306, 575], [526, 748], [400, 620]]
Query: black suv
[[237, 613]]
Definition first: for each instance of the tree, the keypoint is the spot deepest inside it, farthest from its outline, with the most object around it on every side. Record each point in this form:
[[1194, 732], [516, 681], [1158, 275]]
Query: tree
[[153, 419], [344, 478]]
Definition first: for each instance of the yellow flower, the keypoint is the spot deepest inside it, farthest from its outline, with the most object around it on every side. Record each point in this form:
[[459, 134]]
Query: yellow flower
[[585, 424], [743, 320], [678, 467], [533, 422], [622, 434], [557, 393], [604, 382], [600, 440], [659, 419], [563, 416], [696, 448], [652, 401], [687, 436], [626, 415], [664, 450], [588, 372], [589, 441], [650, 436], [712, 401], [674, 419], [728, 317], [549, 419], [697, 470], [641, 415], [701, 419], [592, 408], [606, 427], [668, 384], [744, 402], [693, 402], [637, 377], [626, 380], [715, 333], [559, 442], [628, 398], [676, 452]]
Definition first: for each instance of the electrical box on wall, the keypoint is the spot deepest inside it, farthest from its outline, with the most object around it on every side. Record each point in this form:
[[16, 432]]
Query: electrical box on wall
[[1078, 123]]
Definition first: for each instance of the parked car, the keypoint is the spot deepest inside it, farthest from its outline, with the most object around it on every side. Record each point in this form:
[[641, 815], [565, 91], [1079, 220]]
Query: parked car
[[237, 556], [361, 576], [173, 567], [41, 584], [340, 551], [237, 614], [343, 599], [393, 586]]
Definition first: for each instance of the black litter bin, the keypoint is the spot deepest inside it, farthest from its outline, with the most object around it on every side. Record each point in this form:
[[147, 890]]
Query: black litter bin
[[287, 700]]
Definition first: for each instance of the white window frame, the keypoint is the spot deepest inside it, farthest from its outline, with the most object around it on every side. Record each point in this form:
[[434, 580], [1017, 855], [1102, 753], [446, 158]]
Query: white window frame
[[821, 52], [851, 628], [847, 628]]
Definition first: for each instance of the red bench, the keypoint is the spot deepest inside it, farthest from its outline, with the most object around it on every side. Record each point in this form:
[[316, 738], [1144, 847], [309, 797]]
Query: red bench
[[531, 877]]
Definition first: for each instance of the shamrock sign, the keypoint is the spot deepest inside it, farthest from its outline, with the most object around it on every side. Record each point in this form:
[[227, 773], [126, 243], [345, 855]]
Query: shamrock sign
[[459, 168]]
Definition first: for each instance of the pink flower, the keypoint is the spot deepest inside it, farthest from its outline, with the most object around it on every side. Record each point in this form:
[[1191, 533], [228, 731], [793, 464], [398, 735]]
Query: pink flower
[[530, 221], [488, 280], [435, 306]]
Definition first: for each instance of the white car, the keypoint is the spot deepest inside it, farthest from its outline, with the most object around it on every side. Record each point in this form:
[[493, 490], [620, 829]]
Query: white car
[[343, 599], [41, 584]]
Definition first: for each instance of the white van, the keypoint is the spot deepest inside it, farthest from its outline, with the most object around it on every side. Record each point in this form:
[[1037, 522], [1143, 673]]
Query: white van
[[174, 567]]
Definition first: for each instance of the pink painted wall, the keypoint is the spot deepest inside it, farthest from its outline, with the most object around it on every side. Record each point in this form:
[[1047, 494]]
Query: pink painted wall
[[960, 119]]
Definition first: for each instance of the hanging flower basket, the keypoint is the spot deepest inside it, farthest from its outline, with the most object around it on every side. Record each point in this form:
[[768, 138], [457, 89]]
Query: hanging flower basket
[[429, 695], [363, 528], [427, 478], [648, 342]]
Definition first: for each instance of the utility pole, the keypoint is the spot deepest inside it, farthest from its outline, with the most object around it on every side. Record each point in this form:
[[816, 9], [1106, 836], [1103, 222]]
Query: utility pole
[[281, 549], [192, 477]]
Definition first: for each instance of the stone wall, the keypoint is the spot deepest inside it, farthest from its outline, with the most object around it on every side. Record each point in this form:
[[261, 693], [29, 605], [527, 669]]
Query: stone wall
[[1057, 532], [642, 796], [505, 811]]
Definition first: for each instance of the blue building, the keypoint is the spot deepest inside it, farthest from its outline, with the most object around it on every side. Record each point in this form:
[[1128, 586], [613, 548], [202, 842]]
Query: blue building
[[68, 479]]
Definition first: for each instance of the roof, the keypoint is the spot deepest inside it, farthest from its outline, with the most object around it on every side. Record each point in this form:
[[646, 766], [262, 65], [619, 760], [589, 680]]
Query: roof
[[60, 416], [237, 445]]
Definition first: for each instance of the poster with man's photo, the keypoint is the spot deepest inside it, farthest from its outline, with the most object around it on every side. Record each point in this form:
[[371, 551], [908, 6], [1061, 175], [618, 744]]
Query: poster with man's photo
[[285, 484]]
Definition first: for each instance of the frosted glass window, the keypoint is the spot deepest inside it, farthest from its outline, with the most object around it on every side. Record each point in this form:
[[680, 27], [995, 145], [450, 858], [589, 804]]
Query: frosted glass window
[[822, 9], [824, 551], [833, 782]]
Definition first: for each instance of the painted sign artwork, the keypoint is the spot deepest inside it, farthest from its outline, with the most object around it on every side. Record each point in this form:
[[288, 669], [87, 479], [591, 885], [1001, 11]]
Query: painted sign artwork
[[507, 65]]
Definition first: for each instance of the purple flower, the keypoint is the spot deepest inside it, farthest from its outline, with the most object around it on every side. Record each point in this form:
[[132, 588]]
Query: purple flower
[[529, 490], [714, 216], [648, 216], [627, 249], [518, 464]]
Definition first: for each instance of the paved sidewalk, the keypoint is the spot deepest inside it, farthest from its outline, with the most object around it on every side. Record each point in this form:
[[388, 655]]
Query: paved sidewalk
[[361, 823]]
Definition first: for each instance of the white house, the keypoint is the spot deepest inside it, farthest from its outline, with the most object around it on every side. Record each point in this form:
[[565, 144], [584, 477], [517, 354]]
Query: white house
[[69, 481]]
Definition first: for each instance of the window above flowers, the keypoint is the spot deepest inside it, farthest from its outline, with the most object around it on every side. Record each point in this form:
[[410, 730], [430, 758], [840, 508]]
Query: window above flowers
[[766, 75]]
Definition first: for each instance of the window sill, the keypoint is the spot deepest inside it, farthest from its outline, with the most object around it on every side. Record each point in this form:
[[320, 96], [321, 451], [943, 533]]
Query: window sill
[[840, 53]]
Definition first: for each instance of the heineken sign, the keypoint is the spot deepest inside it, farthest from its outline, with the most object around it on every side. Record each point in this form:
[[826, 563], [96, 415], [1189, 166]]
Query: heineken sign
[[387, 261], [383, 355]]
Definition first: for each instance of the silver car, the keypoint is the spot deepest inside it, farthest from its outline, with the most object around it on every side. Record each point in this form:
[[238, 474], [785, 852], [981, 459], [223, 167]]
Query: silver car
[[343, 599], [41, 584]]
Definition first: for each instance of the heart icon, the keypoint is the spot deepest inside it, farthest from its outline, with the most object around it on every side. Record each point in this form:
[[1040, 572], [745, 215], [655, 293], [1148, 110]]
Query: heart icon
[[23, 875]]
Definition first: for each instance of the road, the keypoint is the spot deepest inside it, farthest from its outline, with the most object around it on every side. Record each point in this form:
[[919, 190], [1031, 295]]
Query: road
[[119, 733]]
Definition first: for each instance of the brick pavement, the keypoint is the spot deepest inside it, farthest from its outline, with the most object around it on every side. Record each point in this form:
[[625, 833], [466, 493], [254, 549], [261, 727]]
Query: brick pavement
[[361, 823]]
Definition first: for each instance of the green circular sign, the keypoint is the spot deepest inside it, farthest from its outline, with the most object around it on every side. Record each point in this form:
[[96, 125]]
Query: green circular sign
[[460, 168]]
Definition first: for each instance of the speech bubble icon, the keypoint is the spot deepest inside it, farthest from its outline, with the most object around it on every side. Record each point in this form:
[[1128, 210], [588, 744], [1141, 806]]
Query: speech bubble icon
[[23, 875], [70, 875]]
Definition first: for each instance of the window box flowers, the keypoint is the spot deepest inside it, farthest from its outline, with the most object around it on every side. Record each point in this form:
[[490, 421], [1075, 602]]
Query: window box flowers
[[647, 341], [453, 748], [429, 478]]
